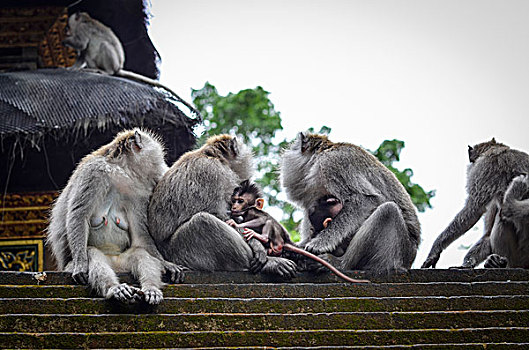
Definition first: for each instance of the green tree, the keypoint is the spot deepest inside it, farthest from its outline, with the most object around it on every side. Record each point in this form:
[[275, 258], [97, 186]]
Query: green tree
[[250, 114], [388, 153]]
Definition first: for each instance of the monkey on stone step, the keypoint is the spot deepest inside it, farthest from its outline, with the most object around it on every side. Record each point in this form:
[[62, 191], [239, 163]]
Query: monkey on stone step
[[498, 188], [187, 212], [98, 48], [98, 224], [247, 203], [377, 229]]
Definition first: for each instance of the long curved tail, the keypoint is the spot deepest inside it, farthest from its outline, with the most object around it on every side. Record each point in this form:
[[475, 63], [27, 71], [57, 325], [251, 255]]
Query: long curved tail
[[295, 249]]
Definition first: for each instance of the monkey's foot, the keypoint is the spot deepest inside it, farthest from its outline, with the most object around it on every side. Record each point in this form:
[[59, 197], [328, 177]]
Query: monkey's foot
[[124, 293], [495, 261], [152, 296], [80, 277], [175, 272]]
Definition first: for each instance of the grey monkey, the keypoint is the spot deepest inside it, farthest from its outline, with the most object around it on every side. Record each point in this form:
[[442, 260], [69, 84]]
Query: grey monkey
[[376, 227], [98, 224], [98, 48], [189, 208], [495, 190]]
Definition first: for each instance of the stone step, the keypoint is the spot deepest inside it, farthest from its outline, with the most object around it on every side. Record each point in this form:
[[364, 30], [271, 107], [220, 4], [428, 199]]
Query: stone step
[[296, 338], [273, 290], [195, 277], [265, 305], [57, 323]]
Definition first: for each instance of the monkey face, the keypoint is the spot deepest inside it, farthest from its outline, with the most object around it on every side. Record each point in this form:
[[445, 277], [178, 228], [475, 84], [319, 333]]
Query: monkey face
[[241, 203]]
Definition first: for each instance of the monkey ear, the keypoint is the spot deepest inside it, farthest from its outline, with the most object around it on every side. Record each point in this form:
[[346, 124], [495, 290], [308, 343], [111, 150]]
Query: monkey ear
[[259, 203], [234, 145], [493, 140], [326, 222], [137, 139], [303, 140]]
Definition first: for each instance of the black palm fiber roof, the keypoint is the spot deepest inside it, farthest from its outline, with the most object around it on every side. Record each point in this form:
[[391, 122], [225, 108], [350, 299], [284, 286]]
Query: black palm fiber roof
[[64, 102]]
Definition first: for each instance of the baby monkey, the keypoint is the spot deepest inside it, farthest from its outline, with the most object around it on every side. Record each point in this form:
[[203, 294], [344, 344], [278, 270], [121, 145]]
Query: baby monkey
[[247, 204]]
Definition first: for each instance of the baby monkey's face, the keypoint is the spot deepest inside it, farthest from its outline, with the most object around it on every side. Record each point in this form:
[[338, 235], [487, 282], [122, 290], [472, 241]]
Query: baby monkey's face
[[241, 203]]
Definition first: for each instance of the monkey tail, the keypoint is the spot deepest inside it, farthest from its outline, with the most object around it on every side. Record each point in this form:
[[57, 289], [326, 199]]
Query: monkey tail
[[295, 249], [142, 79]]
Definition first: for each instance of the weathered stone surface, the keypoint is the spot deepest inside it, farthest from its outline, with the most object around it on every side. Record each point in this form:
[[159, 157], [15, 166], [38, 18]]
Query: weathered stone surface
[[433, 309], [195, 277]]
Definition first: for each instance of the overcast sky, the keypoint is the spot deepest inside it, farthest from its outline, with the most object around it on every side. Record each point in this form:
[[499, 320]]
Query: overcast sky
[[438, 75]]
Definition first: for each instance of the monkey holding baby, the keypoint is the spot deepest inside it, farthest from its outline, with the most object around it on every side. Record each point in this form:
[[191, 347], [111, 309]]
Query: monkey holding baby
[[98, 224], [498, 188], [376, 228], [187, 212], [247, 209]]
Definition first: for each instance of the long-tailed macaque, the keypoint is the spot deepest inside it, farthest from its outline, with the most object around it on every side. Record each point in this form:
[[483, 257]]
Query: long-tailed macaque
[[376, 229], [187, 213], [98, 224], [98, 48], [497, 188], [247, 204]]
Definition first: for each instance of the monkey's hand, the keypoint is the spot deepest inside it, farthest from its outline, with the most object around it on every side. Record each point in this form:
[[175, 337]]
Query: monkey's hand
[[309, 265], [259, 258], [232, 223], [321, 245], [258, 261], [249, 234], [432, 259], [175, 272], [280, 266]]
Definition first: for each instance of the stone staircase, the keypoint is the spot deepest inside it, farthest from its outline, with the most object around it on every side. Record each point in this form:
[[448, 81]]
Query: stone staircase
[[434, 309]]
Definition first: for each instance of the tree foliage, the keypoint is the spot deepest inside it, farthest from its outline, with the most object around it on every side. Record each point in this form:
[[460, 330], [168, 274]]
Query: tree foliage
[[388, 153], [250, 114]]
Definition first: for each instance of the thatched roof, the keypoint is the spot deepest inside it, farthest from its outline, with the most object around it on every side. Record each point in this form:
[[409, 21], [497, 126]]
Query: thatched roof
[[59, 115]]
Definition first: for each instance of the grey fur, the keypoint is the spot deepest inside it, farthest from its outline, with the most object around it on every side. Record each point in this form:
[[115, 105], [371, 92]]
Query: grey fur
[[98, 224], [492, 192], [189, 206], [377, 228]]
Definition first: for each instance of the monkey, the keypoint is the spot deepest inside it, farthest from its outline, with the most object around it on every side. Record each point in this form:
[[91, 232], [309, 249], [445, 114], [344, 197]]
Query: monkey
[[496, 190], [187, 212], [323, 212], [98, 224], [99, 49], [377, 227], [247, 203]]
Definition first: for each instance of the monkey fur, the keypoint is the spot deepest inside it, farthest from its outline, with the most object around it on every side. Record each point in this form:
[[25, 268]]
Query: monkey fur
[[99, 49], [98, 224], [187, 212], [497, 188], [246, 204], [377, 228]]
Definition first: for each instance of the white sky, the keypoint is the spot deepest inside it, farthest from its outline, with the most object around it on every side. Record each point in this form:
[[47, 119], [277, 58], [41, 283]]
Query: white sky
[[438, 75]]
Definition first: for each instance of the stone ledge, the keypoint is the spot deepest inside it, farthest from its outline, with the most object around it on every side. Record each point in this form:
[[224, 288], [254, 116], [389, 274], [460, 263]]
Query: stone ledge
[[196, 277]]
